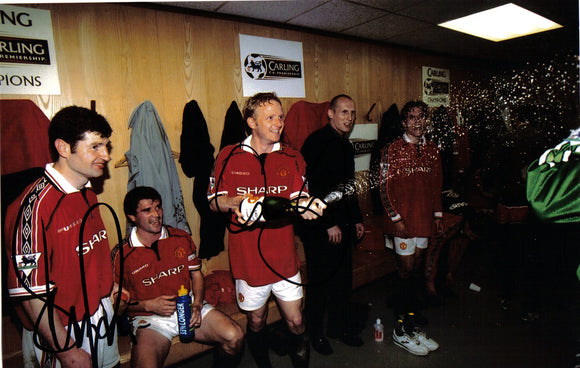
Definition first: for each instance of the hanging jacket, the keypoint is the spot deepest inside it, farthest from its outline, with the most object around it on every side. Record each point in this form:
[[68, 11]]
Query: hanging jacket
[[235, 128], [302, 119], [25, 143], [151, 163], [25, 147], [196, 157], [389, 130], [197, 160]]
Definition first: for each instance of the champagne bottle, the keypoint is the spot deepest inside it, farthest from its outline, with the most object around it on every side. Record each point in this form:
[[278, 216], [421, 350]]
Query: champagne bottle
[[268, 208], [186, 333]]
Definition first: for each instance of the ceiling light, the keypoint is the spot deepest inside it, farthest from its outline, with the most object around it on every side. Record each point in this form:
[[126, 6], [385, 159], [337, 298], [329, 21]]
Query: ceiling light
[[501, 23]]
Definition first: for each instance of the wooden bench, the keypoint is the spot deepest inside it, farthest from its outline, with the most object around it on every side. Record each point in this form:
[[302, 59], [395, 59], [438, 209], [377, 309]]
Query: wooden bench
[[12, 347], [180, 352], [368, 265]]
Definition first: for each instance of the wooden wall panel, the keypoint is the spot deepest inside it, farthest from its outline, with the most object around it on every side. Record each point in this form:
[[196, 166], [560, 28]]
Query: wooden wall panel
[[121, 55]]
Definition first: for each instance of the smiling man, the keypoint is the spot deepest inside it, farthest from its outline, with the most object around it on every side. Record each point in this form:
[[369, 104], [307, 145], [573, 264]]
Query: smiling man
[[410, 185], [158, 260], [328, 242], [42, 232], [263, 255]]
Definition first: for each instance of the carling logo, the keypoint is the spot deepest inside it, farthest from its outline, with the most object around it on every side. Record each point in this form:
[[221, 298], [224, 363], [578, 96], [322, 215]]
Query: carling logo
[[24, 51], [258, 66]]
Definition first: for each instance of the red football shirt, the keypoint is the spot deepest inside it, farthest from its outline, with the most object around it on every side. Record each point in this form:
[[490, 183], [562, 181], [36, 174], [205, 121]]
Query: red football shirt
[[149, 272], [42, 232], [238, 171], [412, 179]]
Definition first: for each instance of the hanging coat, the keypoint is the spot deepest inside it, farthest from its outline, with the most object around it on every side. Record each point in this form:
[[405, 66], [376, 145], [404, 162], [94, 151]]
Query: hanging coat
[[389, 130], [302, 119], [235, 128], [25, 147], [197, 160], [25, 142], [151, 163]]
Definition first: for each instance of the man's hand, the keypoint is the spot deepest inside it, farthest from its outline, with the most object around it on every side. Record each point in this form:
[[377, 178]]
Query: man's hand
[[75, 358], [401, 230], [334, 235], [163, 305], [195, 320], [311, 208], [125, 297]]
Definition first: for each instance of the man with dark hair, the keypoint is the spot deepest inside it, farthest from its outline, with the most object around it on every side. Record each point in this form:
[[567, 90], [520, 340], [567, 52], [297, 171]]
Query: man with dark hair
[[328, 241], [157, 260], [71, 123], [411, 180], [262, 254], [58, 308]]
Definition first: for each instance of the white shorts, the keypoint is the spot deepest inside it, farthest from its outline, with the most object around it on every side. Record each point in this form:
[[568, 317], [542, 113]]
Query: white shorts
[[107, 355], [406, 247], [164, 325], [251, 298]]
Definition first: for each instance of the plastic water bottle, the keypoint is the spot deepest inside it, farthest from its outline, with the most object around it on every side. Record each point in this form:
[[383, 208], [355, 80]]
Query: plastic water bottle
[[378, 330], [186, 333]]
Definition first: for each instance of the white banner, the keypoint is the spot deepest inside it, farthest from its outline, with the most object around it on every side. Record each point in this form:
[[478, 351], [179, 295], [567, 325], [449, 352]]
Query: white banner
[[271, 65], [435, 86], [27, 56], [362, 137]]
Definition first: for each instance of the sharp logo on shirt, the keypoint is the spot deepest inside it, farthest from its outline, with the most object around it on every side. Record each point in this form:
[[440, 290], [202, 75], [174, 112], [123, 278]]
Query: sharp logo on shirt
[[95, 240], [261, 190], [172, 271], [413, 170], [27, 262]]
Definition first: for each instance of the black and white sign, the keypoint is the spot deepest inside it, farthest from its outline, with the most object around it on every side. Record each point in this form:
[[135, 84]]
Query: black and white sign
[[27, 58]]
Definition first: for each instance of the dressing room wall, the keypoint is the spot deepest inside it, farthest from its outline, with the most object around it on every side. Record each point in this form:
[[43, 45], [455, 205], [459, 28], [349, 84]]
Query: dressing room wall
[[120, 55]]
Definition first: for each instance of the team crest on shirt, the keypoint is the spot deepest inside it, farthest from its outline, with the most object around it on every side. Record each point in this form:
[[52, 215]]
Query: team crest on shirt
[[27, 262], [403, 245], [241, 297], [282, 171], [180, 252]]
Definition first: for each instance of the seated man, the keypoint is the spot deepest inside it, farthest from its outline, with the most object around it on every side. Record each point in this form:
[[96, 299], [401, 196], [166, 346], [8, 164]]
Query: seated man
[[157, 261]]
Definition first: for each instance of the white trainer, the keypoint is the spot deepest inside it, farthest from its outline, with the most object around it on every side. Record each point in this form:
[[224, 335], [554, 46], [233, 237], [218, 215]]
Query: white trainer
[[431, 344], [410, 343]]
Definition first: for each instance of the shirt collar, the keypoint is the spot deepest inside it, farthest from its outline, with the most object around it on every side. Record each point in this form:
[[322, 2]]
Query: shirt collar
[[61, 181], [246, 146], [136, 243], [422, 140]]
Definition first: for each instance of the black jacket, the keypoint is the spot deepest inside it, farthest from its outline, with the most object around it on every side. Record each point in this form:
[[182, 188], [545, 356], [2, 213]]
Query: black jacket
[[329, 164]]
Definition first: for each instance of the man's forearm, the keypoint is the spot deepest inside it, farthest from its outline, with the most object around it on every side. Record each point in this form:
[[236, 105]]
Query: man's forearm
[[198, 287], [223, 203], [138, 306], [55, 335]]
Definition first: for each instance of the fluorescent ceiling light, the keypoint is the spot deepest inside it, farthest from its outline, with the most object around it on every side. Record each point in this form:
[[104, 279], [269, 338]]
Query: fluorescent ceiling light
[[501, 23]]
